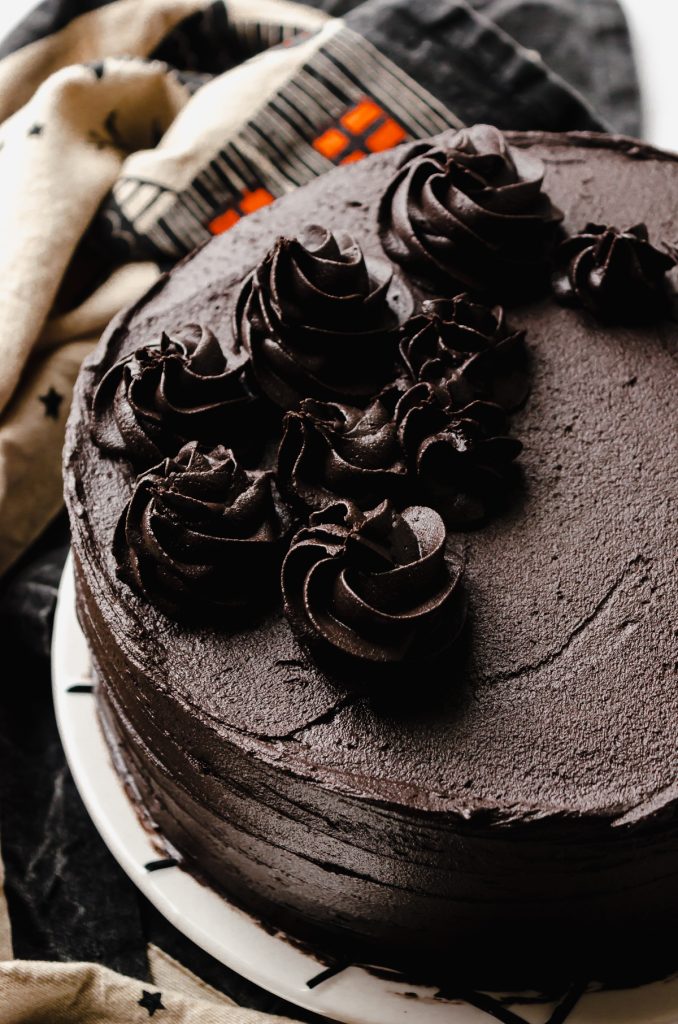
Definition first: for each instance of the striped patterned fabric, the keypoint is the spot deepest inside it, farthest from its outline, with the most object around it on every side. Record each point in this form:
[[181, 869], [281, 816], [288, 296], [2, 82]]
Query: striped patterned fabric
[[328, 112]]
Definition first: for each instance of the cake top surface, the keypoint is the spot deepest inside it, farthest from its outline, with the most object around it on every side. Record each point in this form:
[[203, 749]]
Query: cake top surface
[[562, 699]]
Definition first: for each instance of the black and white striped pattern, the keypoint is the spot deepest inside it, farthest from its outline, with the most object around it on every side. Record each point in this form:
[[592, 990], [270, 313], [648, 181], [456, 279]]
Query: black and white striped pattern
[[274, 149]]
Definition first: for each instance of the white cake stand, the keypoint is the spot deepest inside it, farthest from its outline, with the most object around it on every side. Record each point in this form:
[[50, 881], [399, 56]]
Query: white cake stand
[[350, 993]]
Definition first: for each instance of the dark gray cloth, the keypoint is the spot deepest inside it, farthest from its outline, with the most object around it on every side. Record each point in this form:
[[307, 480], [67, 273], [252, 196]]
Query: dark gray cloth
[[585, 42], [473, 66]]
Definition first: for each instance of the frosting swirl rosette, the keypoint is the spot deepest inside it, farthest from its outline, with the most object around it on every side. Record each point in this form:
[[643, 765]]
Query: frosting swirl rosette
[[330, 450], [460, 458], [152, 402], [468, 347], [618, 276], [375, 587], [200, 537], [317, 322], [468, 213]]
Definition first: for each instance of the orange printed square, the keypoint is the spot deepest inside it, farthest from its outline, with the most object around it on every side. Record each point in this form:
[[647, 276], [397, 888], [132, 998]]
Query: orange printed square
[[387, 135], [223, 221], [255, 199], [361, 116], [331, 143], [357, 154]]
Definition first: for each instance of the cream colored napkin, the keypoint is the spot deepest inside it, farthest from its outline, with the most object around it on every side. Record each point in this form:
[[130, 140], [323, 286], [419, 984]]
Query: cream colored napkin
[[49, 993]]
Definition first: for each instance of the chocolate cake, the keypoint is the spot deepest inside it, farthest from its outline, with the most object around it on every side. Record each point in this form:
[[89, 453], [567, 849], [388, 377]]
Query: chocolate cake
[[442, 737]]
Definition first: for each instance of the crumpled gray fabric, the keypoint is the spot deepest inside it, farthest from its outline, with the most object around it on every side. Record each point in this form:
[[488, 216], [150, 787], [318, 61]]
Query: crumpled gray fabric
[[585, 42]]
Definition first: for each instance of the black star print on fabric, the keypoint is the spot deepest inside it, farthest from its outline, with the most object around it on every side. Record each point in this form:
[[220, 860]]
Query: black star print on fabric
[[151, 1001], [51, 401], [97, 66], [36, 129], [110, 138]]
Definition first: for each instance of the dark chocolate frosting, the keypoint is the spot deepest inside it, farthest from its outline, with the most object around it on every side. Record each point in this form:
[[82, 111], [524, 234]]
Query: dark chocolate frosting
[[200, 537], [617, 275], [330, 450], [461, 458], [468, 346], [375, 586], [394, 837], [316, 320], [468, 213], [153, 401]]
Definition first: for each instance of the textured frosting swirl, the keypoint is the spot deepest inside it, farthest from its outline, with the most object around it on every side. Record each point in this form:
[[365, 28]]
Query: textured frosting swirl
[[468, 213], [460, 458], [468, 346], [330, 450], [153, 401], [316, 321], [378, 587], [617, 275], [200, 537]]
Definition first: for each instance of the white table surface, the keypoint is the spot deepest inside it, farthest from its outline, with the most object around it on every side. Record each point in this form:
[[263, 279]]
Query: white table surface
[[654, 29]]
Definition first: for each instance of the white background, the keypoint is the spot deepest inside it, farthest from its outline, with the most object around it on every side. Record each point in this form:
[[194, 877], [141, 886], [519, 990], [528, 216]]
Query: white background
[[654, 29]]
